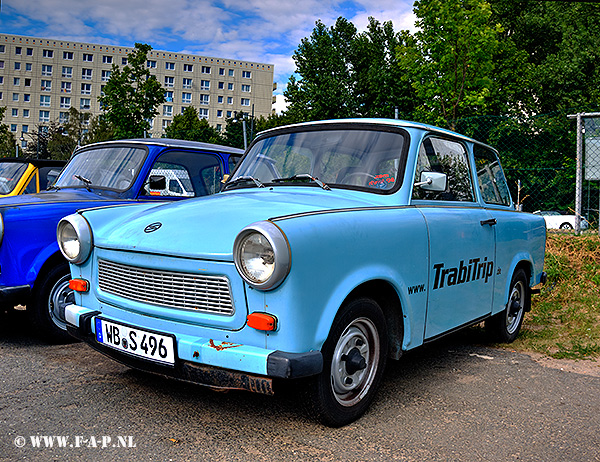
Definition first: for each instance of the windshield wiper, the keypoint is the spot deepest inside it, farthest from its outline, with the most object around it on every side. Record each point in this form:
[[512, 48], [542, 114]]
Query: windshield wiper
[[303, 176], [84, 180], [239, 179]]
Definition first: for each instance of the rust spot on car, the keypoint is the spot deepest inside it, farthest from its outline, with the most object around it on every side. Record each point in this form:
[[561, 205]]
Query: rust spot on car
[[223, 345], [196, 354]]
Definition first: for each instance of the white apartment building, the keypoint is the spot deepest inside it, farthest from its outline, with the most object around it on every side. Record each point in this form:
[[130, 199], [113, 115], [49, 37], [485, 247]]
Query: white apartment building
[[40, 79]]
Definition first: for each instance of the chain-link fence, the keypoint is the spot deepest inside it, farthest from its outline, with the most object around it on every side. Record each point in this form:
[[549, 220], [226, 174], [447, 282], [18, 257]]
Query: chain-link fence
[[539, 156]]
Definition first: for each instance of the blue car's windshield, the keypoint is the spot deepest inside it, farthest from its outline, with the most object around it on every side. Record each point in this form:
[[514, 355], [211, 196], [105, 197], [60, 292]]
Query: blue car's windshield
[[10, 174], [114, 167], [359, 158]]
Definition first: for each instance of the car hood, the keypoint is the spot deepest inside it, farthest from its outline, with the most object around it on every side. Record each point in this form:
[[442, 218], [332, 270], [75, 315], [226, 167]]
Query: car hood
[[54, 197], [206, 227]]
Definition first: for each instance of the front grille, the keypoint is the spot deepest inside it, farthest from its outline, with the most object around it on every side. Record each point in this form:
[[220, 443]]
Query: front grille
[[184, 291]]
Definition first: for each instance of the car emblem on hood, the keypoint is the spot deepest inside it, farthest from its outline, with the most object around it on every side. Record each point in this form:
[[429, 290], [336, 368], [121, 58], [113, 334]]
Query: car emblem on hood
[[152, 227]]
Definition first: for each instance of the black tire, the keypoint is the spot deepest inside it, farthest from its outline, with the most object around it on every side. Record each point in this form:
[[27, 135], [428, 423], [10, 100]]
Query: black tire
[[46, 309], [354, 358], [566, 226], [505, 326]]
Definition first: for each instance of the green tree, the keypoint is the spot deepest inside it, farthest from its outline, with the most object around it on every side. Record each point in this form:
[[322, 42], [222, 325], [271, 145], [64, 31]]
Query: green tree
[[449, 60], [7, 139], [98, 129], [326, 87], [131, 96], [188, 126]]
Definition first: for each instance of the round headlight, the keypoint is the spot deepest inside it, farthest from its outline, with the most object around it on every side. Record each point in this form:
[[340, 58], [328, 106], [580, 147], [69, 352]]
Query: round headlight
[[262, 256], [74, 238]]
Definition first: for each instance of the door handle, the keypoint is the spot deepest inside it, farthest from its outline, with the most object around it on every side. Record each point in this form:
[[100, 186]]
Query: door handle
[[490, 222]]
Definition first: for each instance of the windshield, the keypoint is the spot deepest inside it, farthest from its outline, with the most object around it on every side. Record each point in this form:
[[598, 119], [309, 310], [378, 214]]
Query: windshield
[[10, 174], [356, 158], [113, 167]]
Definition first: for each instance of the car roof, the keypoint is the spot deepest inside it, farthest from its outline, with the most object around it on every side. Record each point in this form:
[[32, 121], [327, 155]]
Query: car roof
[[171, 143]]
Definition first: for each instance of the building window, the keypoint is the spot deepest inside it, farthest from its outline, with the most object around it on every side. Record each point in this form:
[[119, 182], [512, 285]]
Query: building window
[[246, 74], [45, 100], [219, 127], [84, 103], [187, 83], [206, 69], [221, 71], [186, 98], [48, 53], [230, 86], [169, 96], [86, 88], [18, 50], [65, 87], [204, 99], [46, 70], [15, 112], [26, 113], [107, 59], [68, 55], [203, 113], [221, 85], [28, 67], [29, 52], [15, 97], [67, 72], [46, 85], [219, 113], [26, 97], [123, 61], [44, 116], [27, 82], [17, 66], [220, 99], [65, 102], [1, 79], [168, 111], [88, 57], [2, 48], [204, 85], [246, 88], [1, 64], [13, 127], [105, 76], [170, 66], [86, 74], [63, 117], [245, 102], [230, 72], [16, 81], [229, 100], [188, 67], [151, 64], [229, 114], [169, 82], [165, 123]]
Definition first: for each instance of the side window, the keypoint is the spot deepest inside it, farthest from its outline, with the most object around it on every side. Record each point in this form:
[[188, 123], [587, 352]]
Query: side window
[[490, 177], [186, 174], [31, 187], [448, 157]]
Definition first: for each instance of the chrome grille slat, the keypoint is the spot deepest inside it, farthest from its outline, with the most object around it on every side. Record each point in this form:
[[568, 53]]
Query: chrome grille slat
[[184, 291]]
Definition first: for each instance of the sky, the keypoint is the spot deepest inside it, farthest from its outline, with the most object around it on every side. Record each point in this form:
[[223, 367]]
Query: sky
[[263, 31]]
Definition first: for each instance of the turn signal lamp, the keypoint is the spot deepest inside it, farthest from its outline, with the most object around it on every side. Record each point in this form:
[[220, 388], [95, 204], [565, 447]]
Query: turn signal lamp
[[262, 321], [79, 285]]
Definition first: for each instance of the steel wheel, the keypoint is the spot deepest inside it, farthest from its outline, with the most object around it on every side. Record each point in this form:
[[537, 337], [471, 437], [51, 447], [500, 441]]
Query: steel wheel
[[505, 326], [515, 308], [60, 297]]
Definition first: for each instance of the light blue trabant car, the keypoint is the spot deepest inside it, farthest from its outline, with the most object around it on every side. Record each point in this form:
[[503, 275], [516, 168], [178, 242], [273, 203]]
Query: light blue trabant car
[[333, 247]]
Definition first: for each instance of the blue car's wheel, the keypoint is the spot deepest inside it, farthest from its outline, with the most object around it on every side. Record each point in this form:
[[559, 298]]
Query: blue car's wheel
[[354, 358], [46, 309]]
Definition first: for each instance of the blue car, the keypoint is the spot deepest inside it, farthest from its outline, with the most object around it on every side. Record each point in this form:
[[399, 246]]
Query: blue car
[[32, 270], [333, 247]]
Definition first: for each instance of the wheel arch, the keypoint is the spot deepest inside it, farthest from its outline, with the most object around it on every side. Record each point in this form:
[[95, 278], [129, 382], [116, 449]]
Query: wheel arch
[[52, 261]]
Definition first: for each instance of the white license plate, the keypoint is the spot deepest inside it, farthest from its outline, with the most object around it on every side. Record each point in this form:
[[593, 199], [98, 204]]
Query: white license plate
[[137, 342]]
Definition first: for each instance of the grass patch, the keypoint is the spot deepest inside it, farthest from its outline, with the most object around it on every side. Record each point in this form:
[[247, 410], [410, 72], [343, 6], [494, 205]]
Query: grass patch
[[564, 321]]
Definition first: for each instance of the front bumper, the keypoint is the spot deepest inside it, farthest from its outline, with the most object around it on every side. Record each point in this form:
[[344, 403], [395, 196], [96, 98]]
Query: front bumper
[[206, 361]]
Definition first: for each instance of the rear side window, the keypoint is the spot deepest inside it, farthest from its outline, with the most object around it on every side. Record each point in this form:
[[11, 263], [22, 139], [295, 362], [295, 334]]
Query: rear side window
[[492, 183], [448, 157]]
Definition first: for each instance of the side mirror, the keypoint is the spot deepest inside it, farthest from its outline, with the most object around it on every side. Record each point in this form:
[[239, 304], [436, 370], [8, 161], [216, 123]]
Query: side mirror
[[433, 181], [157, 182]]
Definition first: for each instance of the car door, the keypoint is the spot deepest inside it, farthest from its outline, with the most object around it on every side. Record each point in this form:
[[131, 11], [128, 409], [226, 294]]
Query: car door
[[461, 240]]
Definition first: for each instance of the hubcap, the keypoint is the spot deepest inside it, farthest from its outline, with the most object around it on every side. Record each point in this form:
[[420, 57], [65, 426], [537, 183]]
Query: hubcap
[[514, 313], [60, 297], [355, 361]]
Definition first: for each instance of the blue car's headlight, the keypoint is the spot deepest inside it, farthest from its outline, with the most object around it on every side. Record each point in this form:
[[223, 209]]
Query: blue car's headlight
[[74, 238], [262, 255]]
